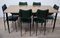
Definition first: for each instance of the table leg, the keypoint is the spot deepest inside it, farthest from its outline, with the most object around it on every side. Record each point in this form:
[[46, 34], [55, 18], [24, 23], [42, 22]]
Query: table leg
[[54, 22], [7, 22]]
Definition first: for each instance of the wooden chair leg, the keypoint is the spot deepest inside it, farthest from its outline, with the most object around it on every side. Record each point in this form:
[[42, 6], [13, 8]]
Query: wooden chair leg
[[36, 28]]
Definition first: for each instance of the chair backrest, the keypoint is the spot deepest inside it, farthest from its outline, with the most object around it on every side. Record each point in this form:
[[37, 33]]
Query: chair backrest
[[25, 13], [4, 7], [42, 14], [36, 4], [56, 7], [23, 3]]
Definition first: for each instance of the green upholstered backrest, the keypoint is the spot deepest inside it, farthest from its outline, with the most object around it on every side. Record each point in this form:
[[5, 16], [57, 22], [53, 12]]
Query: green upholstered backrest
[[36, 4], [25, 13], [4, 7], [23, 3], [42, 13]]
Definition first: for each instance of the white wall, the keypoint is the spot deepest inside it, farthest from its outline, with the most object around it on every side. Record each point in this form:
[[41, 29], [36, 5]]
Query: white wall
[[1, 3], [15, 2]]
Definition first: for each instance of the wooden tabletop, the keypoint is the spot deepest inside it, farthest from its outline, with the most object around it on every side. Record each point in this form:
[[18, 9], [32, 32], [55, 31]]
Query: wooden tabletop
[[15, 8]]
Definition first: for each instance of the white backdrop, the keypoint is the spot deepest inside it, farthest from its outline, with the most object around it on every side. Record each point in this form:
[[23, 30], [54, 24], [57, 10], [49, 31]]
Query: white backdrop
[[16, 2]]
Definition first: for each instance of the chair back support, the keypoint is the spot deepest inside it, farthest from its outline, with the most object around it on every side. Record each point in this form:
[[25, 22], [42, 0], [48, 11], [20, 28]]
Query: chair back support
[[56, 7], [23, 3], [42, 14], [4, 7], [36, 4], [25, 13]]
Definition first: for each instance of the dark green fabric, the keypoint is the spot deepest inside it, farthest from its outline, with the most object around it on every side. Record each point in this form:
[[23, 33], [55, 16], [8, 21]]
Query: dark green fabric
[[28, 20], [56, 7], [39, 20], [12, 18], [22, 3], [50, 17], [15, 13], [42, 13], [25, 15], [41, 16], [4, 7], [36, 4]]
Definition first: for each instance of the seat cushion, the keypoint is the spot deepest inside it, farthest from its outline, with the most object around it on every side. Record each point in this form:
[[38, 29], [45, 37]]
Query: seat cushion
[[50, 13], [26, 20], [50, 17], [39, 20], [14, 18], [15, 13]]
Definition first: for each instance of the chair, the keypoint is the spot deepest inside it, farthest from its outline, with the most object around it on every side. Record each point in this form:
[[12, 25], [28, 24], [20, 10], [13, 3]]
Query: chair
[[50, 15], [35, 4], [41, 18], [8, 18], [23, 3], [25, 16], [20, 3]]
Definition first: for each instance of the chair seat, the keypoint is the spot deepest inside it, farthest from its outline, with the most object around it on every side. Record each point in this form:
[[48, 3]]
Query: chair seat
[[15, 13], [50, 13], [14, 18], [28, 20], [39, 20], [50, 17]]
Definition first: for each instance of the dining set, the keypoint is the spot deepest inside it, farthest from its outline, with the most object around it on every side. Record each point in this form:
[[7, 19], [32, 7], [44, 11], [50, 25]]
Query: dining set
[[27, 13]]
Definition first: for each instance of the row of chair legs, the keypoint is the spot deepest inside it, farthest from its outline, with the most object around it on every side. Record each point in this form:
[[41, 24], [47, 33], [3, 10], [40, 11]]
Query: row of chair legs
[[9, 27], [33, 28]]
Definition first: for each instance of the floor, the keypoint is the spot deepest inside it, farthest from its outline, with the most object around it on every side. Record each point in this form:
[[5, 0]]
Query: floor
[[14, 34]]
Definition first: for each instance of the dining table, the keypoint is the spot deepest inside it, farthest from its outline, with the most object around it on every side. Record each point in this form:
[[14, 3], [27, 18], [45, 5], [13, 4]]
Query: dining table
[[16, 8]]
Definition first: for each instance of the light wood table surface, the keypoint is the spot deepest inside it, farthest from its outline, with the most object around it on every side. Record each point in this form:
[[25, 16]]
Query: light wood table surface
[[15, 8]]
